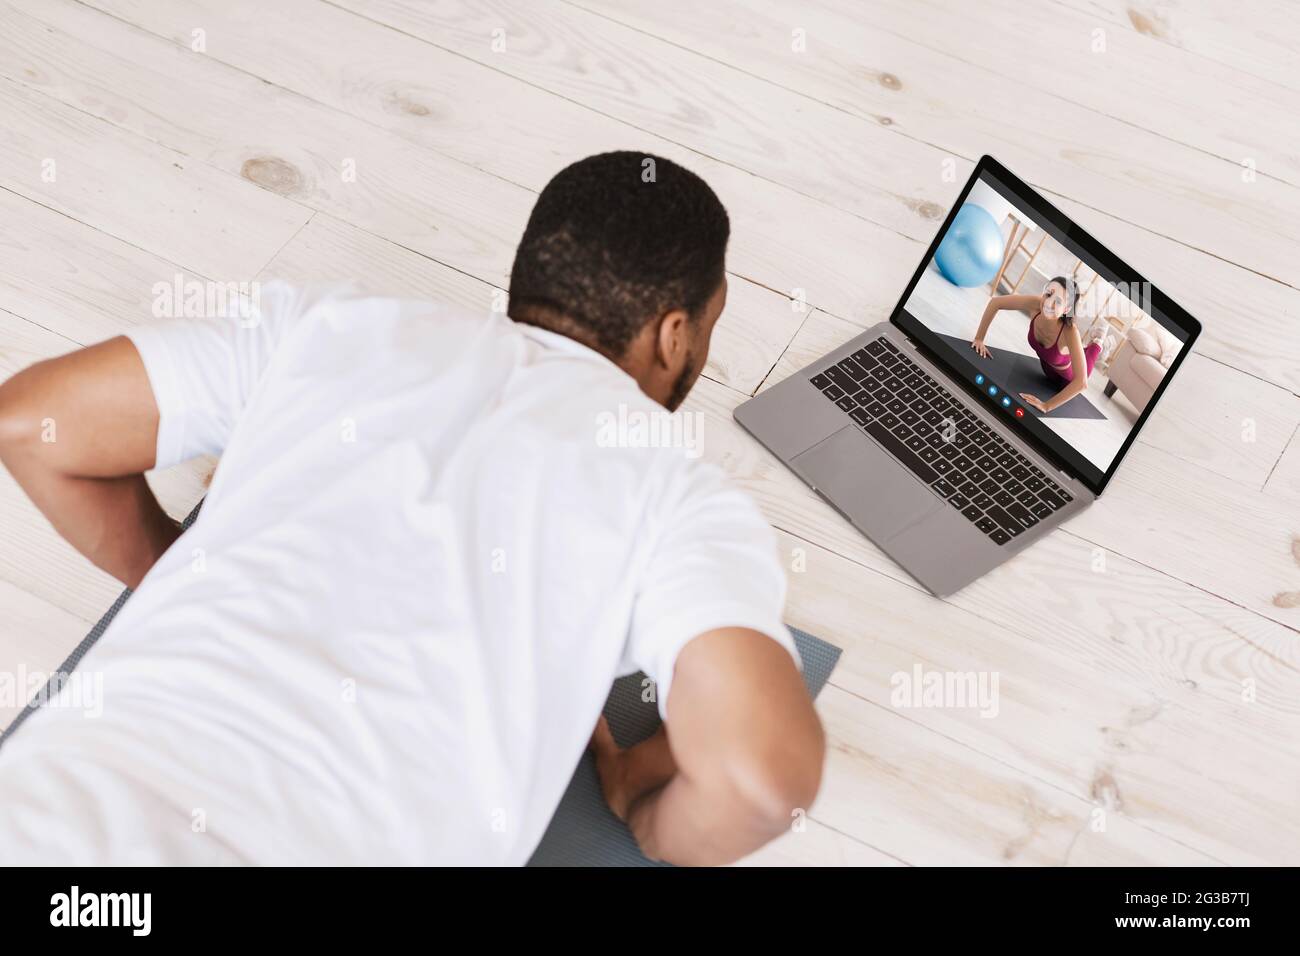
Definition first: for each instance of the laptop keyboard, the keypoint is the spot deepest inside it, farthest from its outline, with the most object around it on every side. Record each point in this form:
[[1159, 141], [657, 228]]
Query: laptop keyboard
[[921, 424]]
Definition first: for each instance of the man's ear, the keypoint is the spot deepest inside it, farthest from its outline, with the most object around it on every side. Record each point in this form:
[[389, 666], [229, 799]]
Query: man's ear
[[672, 344]]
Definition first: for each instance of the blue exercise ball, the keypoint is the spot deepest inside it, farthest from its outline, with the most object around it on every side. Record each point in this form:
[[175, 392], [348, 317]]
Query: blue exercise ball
[[971, 251]]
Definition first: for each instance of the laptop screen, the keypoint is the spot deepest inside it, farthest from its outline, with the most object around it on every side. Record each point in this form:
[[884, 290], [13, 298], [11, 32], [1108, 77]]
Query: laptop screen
[[1053, 331]]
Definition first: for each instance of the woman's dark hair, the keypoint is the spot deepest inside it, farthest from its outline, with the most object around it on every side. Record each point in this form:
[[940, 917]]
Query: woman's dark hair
[[1071, 297], [615, 241]]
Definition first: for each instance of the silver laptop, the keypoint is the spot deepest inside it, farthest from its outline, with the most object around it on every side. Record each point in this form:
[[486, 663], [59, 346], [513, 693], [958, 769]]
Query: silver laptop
[[953, 455]]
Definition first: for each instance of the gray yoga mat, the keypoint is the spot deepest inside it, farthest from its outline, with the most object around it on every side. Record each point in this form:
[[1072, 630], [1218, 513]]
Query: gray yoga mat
[[583, 831], [1015, 372]]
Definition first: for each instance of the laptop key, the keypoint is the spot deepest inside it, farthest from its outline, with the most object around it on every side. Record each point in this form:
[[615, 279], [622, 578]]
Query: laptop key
[[847, 404], [1028, 499], [969, 489], [888, 420], [842, 378], [999, 536], [909, 416], [875, 409], [1001, 496], [1021, 514], [876, 347], [959, 501], [1053, 502], [833, 392], [943, 488], [1009, 524], [895, 406], [1040, 510], [820, 381], [986, 524], [982, 501], [860, 416], [900, 451], [931, 458], [853, 368], [863, 397], [972, 513]]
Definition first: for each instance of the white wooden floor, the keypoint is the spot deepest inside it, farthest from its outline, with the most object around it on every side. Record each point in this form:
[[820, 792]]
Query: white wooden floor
[[1148, 654]]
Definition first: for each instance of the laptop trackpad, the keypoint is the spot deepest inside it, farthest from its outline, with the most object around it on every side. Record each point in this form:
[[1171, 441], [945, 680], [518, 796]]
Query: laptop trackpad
[[863, 481]]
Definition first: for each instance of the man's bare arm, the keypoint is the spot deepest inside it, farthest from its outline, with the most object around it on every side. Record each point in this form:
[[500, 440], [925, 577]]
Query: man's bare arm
[[77, 433], [742, 750]]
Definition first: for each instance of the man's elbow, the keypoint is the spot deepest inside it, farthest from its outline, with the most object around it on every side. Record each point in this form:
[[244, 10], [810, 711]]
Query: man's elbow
[[775, 785]]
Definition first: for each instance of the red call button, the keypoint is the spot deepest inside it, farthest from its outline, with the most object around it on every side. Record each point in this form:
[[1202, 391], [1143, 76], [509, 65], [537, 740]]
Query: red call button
[[1020, 413]]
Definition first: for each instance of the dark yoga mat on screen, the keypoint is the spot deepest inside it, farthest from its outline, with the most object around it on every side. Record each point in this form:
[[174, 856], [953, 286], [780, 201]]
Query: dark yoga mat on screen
[[1015, 372], [583, 831]]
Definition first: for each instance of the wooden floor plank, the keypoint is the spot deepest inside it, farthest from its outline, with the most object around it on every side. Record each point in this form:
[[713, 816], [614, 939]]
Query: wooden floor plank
[[1147, 84], [77, 282], [75, 164], [917, 795], [1056, 716], [1249, 36], [857, 162]]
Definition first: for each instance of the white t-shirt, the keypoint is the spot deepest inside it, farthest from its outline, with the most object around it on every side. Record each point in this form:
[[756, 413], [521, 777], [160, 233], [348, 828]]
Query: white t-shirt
[[431, 544]]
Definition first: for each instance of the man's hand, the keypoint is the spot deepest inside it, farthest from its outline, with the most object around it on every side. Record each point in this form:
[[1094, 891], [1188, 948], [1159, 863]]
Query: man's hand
[[626, 776], [77, 433]]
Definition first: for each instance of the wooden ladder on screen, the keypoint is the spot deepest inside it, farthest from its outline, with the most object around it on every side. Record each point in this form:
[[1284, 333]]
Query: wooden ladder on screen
[[1016, 244]]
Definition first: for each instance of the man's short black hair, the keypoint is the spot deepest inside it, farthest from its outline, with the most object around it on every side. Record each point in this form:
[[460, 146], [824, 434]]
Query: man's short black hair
[[615, 241]]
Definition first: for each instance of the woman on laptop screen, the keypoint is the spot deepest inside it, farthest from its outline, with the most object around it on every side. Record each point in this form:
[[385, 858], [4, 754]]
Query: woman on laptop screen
[[1053, 336]]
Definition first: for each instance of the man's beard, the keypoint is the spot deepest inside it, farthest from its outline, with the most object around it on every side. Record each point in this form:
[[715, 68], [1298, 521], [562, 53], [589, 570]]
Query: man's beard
[[682, 386]]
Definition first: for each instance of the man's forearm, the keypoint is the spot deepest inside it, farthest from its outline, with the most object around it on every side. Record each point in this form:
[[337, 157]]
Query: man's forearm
[[116, 523]]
